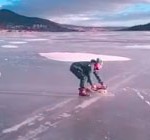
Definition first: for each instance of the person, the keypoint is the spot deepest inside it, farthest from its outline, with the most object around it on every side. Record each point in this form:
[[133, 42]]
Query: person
[[83, 71]]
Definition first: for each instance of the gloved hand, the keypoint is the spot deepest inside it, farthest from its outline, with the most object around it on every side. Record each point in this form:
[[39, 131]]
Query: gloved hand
[[94, 87], [101, 83], [101, 86]]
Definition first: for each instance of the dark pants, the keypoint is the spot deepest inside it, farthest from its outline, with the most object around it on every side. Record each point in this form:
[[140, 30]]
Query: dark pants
[[79, 74]]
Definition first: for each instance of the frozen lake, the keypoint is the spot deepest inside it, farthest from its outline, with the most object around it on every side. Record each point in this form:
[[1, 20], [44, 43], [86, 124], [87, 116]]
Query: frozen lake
[[39, 97], [85, 41]]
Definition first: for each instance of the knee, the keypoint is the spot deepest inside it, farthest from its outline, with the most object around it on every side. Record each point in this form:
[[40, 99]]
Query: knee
[[83, 78]]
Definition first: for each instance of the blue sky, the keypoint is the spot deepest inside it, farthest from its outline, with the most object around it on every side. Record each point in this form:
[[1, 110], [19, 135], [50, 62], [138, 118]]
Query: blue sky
[[84, 12]]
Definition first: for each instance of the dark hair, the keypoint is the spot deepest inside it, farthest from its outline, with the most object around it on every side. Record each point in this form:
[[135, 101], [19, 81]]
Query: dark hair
[[97, 60], [93, 61]]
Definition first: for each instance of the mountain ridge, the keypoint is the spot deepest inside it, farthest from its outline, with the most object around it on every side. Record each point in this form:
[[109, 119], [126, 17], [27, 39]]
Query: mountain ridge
[[12, 20], [143, 27]]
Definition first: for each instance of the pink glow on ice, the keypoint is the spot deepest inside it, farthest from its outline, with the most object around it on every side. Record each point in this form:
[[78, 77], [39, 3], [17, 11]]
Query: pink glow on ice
[[72, 57]]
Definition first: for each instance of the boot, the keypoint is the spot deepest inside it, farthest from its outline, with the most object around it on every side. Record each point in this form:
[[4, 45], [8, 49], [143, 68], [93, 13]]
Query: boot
[[101, 86], [83, 92], [88, 90]]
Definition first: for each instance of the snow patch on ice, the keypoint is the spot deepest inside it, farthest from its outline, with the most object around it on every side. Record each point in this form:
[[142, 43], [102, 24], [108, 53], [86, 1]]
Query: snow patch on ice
[[141, 96], [6, 59], [41, 118], [59, 105], [16, 127], [147, 102], [10, 46], [32, 134], [72, 57], [30, 124], [17, 42], [65, 115], [124, 89], [37, 39], [138, 47], [51, 124], [30, 121], [87, 103]]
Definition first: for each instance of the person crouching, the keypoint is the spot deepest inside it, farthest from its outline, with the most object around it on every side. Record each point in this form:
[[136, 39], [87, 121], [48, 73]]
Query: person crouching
[[84, 70]]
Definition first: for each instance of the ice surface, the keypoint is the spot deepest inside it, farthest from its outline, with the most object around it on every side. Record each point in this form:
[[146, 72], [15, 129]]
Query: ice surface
[[32, 83]]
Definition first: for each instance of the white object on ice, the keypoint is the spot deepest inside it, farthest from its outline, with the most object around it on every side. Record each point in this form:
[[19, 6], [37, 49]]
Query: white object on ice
[[10, 46], [72, 57], [17, 42], [37, 39], [138, 47]]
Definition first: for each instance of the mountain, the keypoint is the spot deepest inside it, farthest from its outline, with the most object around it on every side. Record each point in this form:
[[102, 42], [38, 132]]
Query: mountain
[[145, 27], [90, 28], [13, 21]]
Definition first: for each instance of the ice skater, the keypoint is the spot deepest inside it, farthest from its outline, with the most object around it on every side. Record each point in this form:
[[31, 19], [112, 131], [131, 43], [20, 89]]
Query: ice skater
[[83, 71]]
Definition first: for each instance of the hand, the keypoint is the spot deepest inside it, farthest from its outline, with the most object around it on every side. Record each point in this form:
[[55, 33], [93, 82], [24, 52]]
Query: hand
[[101, 83], [101, 86], [94, 87]]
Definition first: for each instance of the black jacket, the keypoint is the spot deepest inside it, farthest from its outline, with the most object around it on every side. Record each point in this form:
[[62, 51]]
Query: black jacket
[[86, 68]]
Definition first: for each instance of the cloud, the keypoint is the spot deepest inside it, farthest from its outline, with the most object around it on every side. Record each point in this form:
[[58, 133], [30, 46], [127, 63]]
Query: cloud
[[64, 7], [78, 11]]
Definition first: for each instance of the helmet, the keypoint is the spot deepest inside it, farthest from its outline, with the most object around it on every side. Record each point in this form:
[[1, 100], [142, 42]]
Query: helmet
[[98, 64], [100, 61], [93, 61]]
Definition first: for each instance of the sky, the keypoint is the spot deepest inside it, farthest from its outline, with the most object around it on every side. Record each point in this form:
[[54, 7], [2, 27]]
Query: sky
[[84, 12]]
